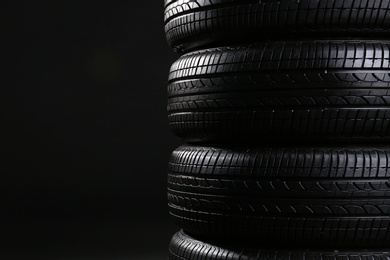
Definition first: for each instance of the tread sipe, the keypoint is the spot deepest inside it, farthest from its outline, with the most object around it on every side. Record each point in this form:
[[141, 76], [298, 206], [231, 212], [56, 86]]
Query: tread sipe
[[194, 24], [305, 195], [185, 247], [312, 90]]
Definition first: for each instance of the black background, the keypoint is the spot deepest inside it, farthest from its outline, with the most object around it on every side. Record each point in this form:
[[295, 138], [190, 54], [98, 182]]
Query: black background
[[85, 139]]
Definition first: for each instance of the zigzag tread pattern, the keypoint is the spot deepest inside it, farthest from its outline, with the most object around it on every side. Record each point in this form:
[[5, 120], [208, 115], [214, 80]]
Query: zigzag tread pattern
[[313, 230], [282, 206], [273, 188], [242, 101], [266, 125], [340, 81]]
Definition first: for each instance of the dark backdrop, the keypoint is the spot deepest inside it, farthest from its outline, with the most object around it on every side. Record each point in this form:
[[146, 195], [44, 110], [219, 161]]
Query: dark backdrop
[[85, 140]]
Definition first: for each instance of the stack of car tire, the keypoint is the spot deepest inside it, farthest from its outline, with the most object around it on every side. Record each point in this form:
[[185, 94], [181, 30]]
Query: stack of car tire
[[284, 106]]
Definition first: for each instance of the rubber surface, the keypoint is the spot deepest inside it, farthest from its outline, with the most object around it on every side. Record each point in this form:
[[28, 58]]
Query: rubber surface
[[185, 247], [194, 24], [311, 90], [304, 195]]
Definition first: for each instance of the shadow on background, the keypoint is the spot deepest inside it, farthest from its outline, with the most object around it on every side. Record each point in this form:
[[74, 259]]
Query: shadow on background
[[85, 138]]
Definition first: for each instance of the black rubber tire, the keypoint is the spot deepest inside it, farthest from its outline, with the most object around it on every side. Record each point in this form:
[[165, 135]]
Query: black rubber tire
[[320, 90], [301, 195], [194, 24], [185, 247]]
